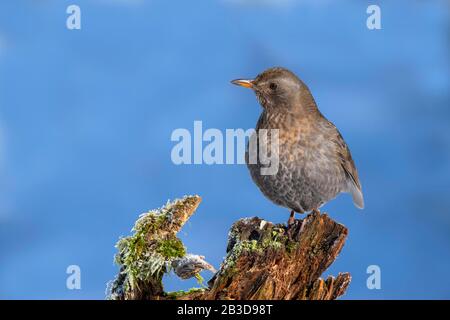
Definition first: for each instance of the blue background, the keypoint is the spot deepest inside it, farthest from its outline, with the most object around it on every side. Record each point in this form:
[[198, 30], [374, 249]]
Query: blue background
[[86, 118]]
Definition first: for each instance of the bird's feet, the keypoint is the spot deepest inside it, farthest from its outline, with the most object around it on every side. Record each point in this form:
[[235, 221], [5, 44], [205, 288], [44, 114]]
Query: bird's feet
[[291, 219]]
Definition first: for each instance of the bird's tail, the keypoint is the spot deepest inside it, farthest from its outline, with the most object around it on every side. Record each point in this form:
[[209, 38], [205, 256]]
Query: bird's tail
[[358, 198]]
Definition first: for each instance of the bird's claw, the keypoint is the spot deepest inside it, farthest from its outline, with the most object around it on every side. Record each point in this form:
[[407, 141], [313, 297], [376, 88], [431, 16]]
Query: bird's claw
[[291, 219]]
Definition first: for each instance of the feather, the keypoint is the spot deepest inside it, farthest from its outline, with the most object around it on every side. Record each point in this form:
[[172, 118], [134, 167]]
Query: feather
[[349, 167]]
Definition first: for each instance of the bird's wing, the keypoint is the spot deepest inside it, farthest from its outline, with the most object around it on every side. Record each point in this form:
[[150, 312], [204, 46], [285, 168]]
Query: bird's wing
[[348, 165]]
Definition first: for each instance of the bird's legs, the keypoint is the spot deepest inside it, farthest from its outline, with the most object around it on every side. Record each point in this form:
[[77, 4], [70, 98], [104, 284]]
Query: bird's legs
[[291, 218]]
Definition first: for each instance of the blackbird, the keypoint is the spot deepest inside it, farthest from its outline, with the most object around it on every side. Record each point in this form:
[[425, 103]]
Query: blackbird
[[315, 163]]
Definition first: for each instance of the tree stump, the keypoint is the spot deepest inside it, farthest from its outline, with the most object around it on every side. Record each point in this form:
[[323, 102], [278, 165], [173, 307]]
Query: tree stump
[[263, 261]]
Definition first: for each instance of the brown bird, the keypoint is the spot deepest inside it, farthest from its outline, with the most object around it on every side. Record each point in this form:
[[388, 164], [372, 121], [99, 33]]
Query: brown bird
[[315, 163]]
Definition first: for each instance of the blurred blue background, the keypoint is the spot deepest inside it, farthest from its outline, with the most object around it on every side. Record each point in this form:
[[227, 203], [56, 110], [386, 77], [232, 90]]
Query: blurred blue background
[[86, 118]]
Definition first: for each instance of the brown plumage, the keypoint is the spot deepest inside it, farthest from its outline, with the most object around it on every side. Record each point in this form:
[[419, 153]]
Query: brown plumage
[[315, 163]]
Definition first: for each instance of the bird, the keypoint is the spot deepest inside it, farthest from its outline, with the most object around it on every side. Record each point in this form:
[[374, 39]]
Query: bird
[[315, 164]]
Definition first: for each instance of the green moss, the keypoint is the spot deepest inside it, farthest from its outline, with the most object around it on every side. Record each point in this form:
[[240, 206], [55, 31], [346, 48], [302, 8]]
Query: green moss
[[144, 254], [147, 254], [150, 222], [200, 279], [250, 245], [181, 293], [276, 245], [291, 246], [171, 248], [230, 260], [273, 237], [241, 246]]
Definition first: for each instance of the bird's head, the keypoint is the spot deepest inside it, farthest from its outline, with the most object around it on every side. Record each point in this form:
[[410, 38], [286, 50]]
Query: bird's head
[[276, 88]]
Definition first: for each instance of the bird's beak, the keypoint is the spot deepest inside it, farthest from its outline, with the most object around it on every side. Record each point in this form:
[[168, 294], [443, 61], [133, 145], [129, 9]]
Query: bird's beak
[[243, 83]]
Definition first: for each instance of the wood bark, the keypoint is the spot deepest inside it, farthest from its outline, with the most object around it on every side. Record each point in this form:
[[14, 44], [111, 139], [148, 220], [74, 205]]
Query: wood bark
[[263, 261]]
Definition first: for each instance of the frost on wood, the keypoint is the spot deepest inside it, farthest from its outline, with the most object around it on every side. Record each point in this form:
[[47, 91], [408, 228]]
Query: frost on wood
[[263, 260], [150, 252]]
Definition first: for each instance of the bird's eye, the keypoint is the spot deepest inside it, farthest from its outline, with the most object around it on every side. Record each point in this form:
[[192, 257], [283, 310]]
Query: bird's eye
[[273, 86]]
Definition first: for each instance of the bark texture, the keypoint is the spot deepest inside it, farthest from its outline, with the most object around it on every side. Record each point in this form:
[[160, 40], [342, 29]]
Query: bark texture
[[263, 261]]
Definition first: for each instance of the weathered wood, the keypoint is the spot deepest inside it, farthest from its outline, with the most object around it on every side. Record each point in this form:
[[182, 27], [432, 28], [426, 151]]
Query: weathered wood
[[264, 260]]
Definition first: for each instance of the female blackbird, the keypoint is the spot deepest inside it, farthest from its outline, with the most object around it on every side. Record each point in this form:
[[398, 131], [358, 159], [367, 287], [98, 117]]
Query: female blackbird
[[315, 163]]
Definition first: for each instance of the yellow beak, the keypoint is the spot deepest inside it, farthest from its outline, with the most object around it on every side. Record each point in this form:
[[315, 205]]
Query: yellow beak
[[243, 83]]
